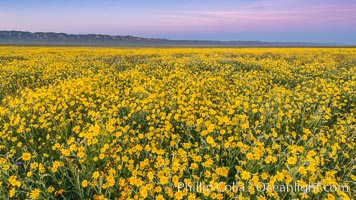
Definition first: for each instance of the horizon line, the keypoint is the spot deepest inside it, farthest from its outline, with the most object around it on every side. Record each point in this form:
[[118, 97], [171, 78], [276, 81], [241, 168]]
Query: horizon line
[[198, 40]]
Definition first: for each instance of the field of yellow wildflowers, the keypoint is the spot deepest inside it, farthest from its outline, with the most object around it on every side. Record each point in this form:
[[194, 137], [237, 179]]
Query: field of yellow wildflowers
[[177, 123]]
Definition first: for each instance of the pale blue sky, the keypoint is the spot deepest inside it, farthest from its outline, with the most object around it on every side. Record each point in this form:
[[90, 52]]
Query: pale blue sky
[[269, 20]]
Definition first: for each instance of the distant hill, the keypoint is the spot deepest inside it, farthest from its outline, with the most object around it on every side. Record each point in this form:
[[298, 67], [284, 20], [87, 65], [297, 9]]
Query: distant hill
[[50, 38]]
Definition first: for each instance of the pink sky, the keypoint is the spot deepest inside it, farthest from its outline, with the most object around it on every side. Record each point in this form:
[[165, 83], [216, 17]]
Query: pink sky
[[277, 20]]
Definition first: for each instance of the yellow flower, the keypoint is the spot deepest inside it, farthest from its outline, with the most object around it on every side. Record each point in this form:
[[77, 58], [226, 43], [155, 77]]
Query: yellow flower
[[194, 166], [249, 156], [160, 197], [84, 183], [143, 192], [12, 180], [50, 189], [245, 175], [178, 195], [41, 168], [101, 156], [26, 156], [223, 171], [138, 182], [158, 189], [302, 170], [210, 140], [291, 160], [150, 176], [81, 154], [65, 152], [110, 181], [191, 196], [264, 176], [96, 175], [330, 197], [261, 197], [34, 165], [12, 192], [35, 193], [163, 180]]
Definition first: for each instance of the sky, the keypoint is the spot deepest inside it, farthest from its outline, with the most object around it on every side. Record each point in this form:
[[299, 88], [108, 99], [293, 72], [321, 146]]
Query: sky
[[328, 21]]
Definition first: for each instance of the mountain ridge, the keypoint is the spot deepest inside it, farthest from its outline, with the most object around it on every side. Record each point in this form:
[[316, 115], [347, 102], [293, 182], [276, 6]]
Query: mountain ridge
[[52, 38]]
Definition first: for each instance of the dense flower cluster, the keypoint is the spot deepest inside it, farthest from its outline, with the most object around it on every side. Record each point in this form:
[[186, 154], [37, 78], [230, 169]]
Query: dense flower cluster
[[104, 123]]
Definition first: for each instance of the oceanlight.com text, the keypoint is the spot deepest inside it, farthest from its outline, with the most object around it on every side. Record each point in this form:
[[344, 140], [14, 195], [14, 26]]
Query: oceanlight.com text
[[261, 187]]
